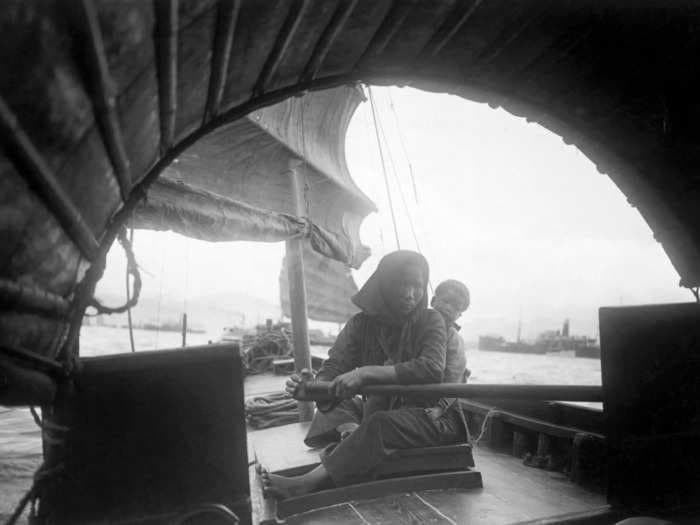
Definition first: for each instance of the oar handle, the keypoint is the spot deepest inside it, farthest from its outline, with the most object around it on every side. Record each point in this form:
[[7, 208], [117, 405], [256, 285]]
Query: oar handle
[[319, 391]]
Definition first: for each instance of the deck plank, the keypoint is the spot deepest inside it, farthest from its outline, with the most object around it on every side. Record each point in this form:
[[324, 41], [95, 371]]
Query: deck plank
[[472, 506], [339, 514], [512, 491], [535, 493], [399, 509], [282, 448]]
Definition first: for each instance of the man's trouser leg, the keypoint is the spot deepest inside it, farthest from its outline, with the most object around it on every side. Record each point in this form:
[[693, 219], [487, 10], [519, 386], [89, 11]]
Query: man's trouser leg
[[382, 433], [323, 430]]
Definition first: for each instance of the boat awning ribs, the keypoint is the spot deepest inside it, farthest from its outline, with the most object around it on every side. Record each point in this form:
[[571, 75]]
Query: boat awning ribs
[[84, 20], [223, 40], [291, 25], [166, 48], [340, 17], [29, 162]]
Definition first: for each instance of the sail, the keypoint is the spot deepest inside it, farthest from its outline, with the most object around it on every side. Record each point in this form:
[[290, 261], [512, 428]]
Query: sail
[[329, 287], [235, 183]]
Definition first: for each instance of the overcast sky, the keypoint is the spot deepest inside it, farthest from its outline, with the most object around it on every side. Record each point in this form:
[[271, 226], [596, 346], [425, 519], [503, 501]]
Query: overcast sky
[[524, 220]]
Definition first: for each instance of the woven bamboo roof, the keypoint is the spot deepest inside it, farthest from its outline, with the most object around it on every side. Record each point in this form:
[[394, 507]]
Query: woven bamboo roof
[[97, 98]]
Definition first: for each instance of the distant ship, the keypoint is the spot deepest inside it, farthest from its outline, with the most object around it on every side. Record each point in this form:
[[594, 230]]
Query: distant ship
[[549, 341], [496, 343]]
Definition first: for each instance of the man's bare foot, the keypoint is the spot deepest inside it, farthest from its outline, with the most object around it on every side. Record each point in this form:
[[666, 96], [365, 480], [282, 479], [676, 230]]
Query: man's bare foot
[[282, 487]]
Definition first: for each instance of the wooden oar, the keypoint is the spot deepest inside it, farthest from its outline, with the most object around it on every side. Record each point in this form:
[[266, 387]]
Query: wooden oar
[[319, 391]]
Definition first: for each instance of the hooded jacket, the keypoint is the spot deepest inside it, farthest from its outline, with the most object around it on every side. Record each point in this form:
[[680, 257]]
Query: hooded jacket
[[414, 345]]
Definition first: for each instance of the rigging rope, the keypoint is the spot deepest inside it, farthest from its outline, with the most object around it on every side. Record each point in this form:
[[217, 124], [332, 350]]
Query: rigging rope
[[184, 298], [128, 292], [160, 295], [381, 154], [392, 164], [132, 268], [484, 426], [403, 146], [380, 131], [307, 206]]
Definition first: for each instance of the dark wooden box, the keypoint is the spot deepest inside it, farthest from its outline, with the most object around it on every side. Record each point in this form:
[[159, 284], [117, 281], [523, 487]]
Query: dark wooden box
[[152, 435], [651, 380]]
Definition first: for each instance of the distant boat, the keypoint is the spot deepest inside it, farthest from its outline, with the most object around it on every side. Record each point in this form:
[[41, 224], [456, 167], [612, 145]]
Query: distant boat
[[521, 347], [560, 341], [166, 326], [496, 343], [548, 341]]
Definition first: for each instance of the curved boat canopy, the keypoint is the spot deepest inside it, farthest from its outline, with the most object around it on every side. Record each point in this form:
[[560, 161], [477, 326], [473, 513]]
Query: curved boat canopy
[[97, 98]]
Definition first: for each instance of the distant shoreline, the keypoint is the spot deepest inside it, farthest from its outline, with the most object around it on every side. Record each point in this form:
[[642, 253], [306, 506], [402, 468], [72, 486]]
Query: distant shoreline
[[153, 328]]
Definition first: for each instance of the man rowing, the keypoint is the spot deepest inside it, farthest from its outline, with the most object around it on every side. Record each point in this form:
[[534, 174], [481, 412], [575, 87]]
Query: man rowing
[[395, 339]]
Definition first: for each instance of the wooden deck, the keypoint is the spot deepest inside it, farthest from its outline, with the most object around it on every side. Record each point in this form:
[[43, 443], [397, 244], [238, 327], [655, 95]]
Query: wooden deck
[[512, 492]]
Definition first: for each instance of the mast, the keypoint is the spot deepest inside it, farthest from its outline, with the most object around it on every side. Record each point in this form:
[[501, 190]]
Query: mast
[[297, 293]]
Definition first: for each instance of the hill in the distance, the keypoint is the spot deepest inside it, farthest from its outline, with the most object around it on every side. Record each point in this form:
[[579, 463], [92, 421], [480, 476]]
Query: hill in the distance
[[209, 312]]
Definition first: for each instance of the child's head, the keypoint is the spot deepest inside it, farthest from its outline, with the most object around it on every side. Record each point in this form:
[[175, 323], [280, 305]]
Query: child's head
[[451, 299]]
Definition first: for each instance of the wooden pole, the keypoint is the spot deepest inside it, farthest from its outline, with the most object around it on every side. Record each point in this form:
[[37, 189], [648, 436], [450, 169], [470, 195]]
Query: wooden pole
[[297, 293], [184, 330], [318, 391]]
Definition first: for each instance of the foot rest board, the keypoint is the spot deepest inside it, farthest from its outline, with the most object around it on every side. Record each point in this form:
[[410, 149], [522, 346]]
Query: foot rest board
[[404, 462], [429, 459], [464, 479]]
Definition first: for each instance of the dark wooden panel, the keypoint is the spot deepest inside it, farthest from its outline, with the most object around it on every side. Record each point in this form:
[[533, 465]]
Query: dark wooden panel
[[651, 365], [152, 433], [583, 417]]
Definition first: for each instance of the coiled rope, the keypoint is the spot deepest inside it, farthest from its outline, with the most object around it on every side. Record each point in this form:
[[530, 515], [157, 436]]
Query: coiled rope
[[133, 269], [271, 410]]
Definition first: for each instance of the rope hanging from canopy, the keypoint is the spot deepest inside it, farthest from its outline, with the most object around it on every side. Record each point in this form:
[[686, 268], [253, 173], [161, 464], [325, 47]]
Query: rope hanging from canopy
[[132, 268]]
